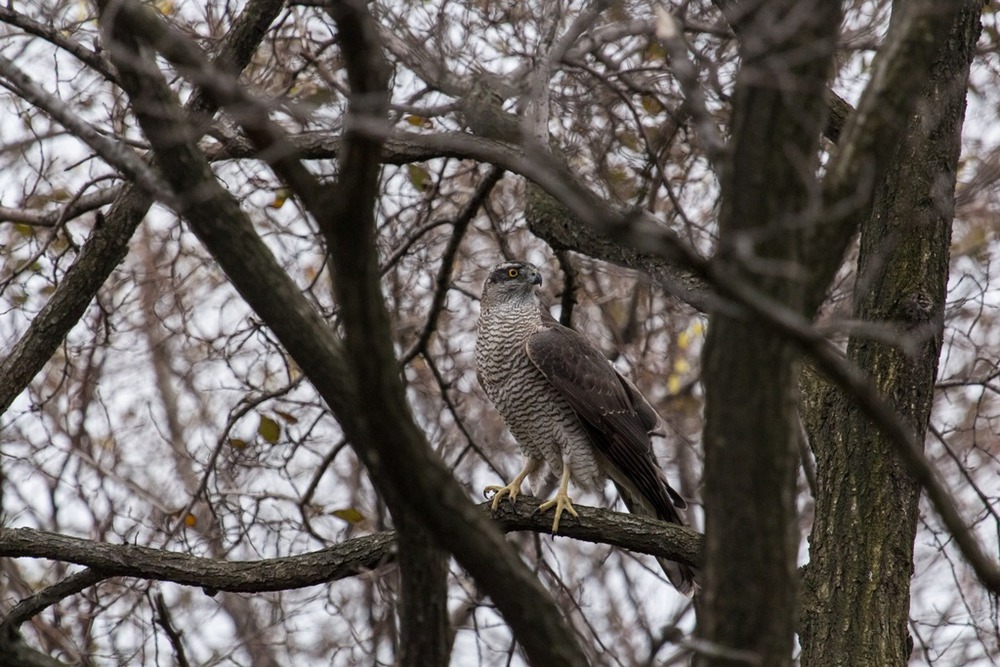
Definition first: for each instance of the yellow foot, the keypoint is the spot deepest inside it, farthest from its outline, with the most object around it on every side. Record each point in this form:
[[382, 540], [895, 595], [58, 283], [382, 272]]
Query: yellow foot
[[562, 502], [513, 490]]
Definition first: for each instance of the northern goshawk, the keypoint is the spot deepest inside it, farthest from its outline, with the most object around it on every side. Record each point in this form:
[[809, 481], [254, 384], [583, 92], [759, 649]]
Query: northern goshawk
[[567, 407]]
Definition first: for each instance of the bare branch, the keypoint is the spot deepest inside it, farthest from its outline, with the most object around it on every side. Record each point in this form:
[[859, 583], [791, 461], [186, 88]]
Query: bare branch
[[346, 218], [343, 560], [49, 596], [75, 208], [114, 153], [108, 243], [668, 31], [873, 131], [354, 557], [87, 56], [164, 621], [443, 280]]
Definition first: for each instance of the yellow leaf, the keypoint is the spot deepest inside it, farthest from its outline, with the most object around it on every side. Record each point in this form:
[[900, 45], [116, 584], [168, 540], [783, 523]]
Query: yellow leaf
[[651, 104], [190, 520], [350, 515], [629, 140], [618, 175], [165, 7], [236, 443], [269, 429], [419, 176], [419, 121], [622, 181], [280, 197], [685, 338], [681, 366], [654, 51], [318, 96], [674, 384]]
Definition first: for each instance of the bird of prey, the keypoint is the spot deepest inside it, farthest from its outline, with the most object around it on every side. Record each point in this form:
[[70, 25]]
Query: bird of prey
[[567, 407]]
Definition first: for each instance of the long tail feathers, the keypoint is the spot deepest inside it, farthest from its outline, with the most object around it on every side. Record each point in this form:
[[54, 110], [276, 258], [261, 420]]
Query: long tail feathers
[[681, 576]]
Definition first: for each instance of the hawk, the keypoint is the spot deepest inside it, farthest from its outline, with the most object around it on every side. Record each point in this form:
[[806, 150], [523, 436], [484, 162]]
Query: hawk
[[567, 407]]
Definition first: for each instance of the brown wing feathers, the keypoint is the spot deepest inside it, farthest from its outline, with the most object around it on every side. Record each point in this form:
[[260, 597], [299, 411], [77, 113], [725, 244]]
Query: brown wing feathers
[[609, 408]]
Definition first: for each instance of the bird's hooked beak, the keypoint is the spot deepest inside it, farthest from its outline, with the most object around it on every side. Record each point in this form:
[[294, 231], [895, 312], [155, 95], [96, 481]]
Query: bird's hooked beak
[[536, 277]]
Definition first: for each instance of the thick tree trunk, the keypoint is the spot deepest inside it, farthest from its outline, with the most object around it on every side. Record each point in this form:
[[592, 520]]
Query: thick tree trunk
[[751, 424], [856, 602], [750, 590], [425, 638]]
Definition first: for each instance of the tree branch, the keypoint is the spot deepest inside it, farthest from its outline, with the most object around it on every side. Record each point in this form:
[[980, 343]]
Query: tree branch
[[356, 556], [397, 453], [115, 153], [340, 561], [18, 654], [402, 464], [650, 247], [866, 144], [108, 242], [91, 58], [50, 218], [443, 280], [49, 596]]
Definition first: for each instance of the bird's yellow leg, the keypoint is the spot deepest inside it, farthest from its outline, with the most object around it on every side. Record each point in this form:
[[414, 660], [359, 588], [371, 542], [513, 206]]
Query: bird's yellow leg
[[561, 501], [514, 488]]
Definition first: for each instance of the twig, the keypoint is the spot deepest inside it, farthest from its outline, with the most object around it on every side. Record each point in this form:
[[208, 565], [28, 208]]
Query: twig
[[162, 618], [669, 33], [113, 152], [443, 280], [45, 598]]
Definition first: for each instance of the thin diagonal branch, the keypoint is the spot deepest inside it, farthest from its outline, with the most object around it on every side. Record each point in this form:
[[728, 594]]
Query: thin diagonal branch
[[433, 495], [87, 56], [108, 243], [34, 605], [77, 207], [114, 153], [443, 280]]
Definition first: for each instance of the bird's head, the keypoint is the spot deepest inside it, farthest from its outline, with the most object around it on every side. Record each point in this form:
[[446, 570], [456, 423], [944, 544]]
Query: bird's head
[[511, 281]]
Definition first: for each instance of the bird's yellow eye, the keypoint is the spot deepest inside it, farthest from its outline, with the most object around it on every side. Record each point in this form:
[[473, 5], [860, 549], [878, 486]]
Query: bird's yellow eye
[[512, 273]]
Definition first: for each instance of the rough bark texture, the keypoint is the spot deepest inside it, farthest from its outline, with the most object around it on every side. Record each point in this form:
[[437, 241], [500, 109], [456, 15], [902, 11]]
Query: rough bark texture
[[750, 410], [349, 229], [857, 584], [425, 637], [342, 560]]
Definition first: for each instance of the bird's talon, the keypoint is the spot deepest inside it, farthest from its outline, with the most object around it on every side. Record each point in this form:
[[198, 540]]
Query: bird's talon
[[563, 503], [498, 494]]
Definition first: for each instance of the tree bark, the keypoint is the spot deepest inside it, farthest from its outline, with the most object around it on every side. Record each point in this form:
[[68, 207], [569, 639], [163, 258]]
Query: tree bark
[[425, 636], [334, 563], [751, 424], [856, 602]]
